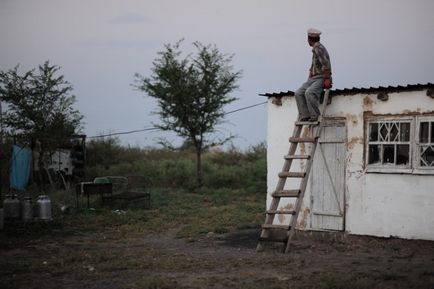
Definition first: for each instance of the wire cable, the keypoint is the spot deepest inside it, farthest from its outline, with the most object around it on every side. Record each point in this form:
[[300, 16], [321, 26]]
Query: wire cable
[[243, 108], [125, 132], [156, 128]]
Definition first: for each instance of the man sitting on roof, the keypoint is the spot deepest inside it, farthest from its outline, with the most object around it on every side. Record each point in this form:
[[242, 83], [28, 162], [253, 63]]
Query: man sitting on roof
[[308, 95]]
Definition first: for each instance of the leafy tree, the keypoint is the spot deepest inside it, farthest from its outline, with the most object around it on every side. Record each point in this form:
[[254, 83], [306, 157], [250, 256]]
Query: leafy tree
[[191, 93], [39, 107]]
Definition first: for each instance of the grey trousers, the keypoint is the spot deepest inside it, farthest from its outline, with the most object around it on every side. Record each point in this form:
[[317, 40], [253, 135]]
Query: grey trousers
[[308, 95]]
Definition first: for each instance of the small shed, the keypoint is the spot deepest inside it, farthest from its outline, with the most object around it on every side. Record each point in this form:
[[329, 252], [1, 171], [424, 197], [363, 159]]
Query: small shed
[[378, 144]]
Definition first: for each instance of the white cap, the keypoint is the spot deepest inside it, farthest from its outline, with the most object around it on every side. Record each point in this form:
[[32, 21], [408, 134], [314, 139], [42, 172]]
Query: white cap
[[313, 32]]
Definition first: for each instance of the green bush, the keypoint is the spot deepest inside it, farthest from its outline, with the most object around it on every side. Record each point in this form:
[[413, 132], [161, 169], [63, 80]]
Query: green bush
[[166, 168]]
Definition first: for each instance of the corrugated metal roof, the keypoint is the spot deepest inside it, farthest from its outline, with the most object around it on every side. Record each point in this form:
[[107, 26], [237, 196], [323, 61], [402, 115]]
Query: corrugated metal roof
[[356, 90]]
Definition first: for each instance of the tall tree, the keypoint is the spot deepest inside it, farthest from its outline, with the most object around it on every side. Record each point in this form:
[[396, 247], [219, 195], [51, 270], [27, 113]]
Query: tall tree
[[191, 93], [39, 107]]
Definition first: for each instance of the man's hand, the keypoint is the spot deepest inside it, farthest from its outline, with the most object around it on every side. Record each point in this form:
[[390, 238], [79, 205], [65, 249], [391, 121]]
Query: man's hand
[[327, 83], [327, 79]]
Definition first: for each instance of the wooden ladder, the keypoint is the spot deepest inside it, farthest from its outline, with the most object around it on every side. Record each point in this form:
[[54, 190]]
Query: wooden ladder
[[298, 194]]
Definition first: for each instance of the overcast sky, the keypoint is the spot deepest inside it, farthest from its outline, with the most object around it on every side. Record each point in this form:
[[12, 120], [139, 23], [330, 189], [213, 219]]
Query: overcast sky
[[100, 44]]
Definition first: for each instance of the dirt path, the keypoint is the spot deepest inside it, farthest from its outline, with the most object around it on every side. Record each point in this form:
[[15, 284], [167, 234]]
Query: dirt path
[[317, 260]]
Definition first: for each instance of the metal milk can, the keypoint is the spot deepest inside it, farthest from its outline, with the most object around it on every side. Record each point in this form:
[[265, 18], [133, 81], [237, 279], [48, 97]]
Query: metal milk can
[[27, 209], [43, 208], [12, 207]]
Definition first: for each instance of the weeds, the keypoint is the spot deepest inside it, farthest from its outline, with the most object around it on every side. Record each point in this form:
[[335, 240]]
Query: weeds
[[166, 168]]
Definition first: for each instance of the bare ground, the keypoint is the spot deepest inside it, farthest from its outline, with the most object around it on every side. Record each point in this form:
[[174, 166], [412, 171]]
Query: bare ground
[[110, 260]]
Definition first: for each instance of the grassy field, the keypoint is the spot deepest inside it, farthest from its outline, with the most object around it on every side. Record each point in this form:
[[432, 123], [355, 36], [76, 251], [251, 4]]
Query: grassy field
[[196, 214], [171, 246]]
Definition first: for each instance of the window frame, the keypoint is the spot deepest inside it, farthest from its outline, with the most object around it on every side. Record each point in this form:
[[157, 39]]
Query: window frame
[[413, 166], [389, 168], [416, 152]]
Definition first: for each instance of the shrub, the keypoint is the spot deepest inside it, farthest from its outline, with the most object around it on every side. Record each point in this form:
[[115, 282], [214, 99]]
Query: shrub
[[166, 168]]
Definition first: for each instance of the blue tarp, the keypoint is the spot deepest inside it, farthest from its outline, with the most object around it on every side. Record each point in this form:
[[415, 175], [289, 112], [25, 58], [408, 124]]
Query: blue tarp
[[20, 167]]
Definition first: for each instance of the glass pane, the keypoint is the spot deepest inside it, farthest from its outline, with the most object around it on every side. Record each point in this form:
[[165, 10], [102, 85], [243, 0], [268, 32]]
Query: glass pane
[[394, 132], [373, 132], [432, 132], [388, 154], [402, 154], [383, 132], [405, 131], [423, 132], [374, 154], [427, 157]]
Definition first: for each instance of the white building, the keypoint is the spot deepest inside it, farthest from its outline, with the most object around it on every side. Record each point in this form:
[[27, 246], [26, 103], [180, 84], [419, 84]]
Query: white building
[[379, 146]]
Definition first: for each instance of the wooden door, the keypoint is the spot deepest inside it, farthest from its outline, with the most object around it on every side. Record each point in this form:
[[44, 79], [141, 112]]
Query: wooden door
[[328, 179]]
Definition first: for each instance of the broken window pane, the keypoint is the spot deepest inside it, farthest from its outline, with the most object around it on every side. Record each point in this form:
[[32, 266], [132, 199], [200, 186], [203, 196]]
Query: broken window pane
[[423, 132], [374, 154], [373, 132], [404, 131], [402, 154], [388, 154]]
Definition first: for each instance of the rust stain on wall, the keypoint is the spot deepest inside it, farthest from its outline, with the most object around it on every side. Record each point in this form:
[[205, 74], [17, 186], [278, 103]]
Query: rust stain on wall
[[349, 157], [354, 141], [302, 165], [276, 101], [367, 103], [281, 217], [351, 118], [302, 224], [302, 148], [406, 112], [412, 112], [305, 133]]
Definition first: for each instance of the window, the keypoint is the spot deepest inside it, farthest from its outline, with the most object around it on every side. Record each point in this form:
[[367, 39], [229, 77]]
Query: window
[[425, 144], [401, 144], [389, 143]]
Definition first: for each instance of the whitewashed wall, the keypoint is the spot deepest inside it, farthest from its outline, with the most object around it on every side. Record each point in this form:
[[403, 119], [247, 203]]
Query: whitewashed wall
[[383, 205]]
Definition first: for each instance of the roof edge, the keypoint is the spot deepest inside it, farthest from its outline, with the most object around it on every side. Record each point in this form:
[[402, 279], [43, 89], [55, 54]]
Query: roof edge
[[356, 90]]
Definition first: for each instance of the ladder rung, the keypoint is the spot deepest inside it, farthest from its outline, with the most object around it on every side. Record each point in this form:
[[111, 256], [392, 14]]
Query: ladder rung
[[275, 227], [292, 174], [306, 122], [280, 240], [302, 139], [286, 193], [292, 157], [282, 212]]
